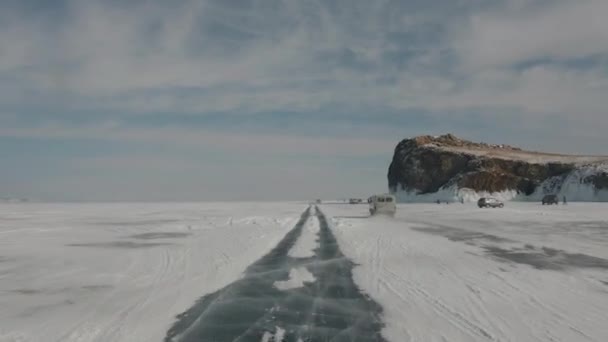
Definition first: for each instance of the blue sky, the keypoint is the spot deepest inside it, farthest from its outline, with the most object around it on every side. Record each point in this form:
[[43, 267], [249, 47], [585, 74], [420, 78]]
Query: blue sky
[[282, 99]]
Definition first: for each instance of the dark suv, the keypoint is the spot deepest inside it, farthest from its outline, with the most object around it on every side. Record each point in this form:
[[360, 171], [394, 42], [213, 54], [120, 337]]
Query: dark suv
[[489, 202], [550, 199]]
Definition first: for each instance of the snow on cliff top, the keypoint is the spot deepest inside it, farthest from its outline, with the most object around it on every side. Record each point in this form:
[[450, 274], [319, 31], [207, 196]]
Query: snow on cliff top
[[530, 157], [452, 143]]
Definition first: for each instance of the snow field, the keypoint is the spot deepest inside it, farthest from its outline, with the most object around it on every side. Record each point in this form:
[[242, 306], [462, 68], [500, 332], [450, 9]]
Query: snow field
[[431, 271], [122, 272]]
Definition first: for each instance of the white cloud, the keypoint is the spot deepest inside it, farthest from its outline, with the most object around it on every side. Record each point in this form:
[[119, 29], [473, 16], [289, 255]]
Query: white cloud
[[214, 56], [225, 142], [538, 91], [559, 31], [529, 60], [209, 56]]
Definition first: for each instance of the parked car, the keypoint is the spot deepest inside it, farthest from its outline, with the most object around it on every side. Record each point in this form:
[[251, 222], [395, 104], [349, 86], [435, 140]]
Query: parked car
[[550, 199], [382, 204], [489, 202]]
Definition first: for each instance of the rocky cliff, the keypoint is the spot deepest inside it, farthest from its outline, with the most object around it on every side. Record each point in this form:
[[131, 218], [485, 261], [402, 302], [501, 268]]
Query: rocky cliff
[[448, 168]]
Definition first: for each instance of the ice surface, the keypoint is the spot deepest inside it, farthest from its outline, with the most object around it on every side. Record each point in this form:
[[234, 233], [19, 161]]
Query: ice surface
[[122, 272], [329, 308], [458, 273]]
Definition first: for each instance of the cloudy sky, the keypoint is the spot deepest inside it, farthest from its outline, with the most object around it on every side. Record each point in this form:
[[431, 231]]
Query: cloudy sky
[[282, 99]]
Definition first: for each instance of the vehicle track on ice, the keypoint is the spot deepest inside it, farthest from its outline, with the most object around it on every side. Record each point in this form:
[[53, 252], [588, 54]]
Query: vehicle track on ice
[[329, 307]]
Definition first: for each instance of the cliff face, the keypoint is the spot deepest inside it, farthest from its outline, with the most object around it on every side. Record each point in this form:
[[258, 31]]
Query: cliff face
[[428, 165]]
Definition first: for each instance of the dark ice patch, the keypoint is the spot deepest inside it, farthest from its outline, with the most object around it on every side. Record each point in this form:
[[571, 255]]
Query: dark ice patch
[[136, 223], [120, 244], [160, 235], [330, 308], [99, 287], [27, 291], [45, 309], [589, 225], [88, 288], [547, 258], [599, 228], [460, 235], [352, 217]]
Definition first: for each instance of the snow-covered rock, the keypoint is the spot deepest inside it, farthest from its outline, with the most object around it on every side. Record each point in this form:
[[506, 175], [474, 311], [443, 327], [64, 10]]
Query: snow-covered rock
[[586, 183], [453, 194], [446, 168]]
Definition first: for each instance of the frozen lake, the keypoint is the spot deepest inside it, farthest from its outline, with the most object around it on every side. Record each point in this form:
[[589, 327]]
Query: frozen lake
[[277, 271]]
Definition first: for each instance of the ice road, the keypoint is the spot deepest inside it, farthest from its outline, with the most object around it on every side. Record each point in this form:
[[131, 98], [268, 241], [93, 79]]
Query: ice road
[[328, 306], [287, 272]]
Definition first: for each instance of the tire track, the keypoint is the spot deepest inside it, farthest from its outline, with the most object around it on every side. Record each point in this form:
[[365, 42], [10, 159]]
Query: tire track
[[252, 309]]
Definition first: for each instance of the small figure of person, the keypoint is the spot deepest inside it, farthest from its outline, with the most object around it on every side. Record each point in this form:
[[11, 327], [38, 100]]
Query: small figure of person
[[565, 202], [438, 201]]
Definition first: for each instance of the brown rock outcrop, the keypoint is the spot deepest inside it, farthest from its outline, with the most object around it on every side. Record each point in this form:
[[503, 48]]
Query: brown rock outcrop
[[425, 164]]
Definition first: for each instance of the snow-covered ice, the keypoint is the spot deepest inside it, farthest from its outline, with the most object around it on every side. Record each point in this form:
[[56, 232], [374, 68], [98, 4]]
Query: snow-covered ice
[[459, 273], [270, 337], [122, 272], [297, 277], [307, 243]]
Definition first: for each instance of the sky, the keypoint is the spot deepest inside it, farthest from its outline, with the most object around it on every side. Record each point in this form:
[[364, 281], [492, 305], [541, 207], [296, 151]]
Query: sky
[[189, 100]]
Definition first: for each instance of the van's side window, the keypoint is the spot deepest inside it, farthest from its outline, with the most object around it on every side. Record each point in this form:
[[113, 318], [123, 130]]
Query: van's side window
[[389, 199], [380, 199]]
